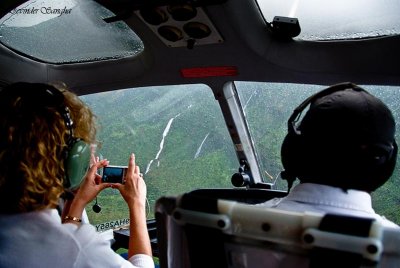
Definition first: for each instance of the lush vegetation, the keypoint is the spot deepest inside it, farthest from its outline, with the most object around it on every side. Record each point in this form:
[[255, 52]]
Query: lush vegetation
[[181, 141], [183, 127]]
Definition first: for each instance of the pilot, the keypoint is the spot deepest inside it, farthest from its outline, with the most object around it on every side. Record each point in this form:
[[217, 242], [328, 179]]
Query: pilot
[[45, 137], [343, 149]]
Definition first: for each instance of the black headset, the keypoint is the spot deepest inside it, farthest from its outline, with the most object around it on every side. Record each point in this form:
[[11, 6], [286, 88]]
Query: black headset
[[37, 95], [294, 146]]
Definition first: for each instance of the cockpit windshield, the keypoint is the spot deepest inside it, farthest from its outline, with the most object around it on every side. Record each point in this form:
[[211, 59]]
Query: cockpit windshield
[[182, 142], [178, 135]]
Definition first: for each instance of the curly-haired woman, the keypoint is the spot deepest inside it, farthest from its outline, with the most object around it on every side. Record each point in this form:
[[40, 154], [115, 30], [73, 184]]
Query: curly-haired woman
[[45, 136]]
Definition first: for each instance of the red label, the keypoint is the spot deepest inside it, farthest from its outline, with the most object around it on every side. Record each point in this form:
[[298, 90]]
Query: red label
[[199, 72]]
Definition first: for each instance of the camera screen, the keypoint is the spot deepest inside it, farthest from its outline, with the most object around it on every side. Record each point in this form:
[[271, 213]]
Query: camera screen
[[113, 174]]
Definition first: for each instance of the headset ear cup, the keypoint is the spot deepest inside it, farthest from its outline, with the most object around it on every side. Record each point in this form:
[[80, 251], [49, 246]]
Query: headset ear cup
[[375, 175], [390, 164], [76, 163], [290, 150]]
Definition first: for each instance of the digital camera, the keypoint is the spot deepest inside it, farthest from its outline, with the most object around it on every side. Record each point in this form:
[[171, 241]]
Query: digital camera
[[114, 174]]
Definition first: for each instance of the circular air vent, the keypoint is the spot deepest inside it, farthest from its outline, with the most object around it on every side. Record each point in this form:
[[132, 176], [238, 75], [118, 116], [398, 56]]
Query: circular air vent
[[182, 12], [154, 16], [170, 33], [197, 30]]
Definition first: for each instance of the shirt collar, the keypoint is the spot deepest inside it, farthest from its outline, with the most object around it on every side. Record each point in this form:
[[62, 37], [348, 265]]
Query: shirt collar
[[325, 195]]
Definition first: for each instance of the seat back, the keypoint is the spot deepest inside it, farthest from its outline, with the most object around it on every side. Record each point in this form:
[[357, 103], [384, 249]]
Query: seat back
[[197, 231], [171, 236]]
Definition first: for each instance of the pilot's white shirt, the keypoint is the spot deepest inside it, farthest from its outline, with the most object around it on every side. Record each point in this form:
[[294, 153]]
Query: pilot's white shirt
[[38, 239], [327, 199]]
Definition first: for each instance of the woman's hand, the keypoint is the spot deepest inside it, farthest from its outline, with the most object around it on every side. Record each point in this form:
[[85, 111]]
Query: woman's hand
[[134, 193], [89, 188], [134, 189], [91, 184]]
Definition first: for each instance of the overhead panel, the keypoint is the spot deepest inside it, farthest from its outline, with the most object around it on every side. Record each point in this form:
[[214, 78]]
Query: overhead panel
[[180, 25]]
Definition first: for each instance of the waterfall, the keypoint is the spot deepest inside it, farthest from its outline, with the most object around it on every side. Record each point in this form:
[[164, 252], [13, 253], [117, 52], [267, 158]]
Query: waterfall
[[201, 145], [164, 135]]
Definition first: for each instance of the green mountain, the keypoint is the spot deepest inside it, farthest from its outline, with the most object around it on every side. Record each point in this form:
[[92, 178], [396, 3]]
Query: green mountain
[[181, 141]]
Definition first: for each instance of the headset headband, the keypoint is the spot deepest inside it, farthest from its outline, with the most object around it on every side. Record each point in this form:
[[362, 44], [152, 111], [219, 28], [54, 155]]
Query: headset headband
[[299, 109], [40, 95]]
